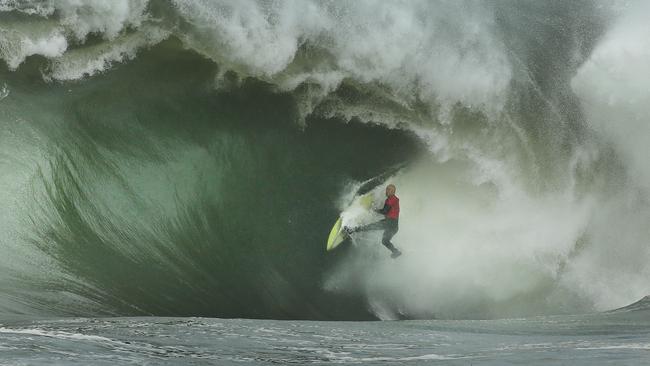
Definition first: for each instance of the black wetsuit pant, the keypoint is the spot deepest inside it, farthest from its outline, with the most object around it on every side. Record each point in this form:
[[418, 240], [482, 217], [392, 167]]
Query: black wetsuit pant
[[390, 227]]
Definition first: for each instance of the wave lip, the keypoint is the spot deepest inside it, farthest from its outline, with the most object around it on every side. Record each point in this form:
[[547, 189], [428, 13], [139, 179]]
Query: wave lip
[[641, 305]]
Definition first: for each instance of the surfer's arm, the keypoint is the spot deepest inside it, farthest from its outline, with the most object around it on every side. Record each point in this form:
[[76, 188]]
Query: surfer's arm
[[384, 210]]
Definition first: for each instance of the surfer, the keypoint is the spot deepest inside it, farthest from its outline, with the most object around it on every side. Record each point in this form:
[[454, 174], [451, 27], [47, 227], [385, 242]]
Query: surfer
[[390, 223]]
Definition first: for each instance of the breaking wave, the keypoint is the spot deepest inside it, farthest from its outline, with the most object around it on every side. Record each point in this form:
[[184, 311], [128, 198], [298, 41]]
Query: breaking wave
[[189, 157]]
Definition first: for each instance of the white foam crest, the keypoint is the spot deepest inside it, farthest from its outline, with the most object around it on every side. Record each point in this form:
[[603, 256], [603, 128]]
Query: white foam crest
[[31, 8], [16, 46], [450, 55], [262, 38], [67, 21], [108, 18], [89, 61]]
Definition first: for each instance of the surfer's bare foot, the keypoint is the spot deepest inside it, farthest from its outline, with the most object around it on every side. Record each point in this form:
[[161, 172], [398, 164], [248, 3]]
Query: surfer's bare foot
[[396, 253]]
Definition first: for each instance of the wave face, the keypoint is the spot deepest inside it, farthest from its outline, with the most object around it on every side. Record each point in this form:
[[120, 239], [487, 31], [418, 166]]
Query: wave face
[[188, 158]]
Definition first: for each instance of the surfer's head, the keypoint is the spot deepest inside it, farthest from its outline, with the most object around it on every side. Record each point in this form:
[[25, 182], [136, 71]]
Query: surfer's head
[[390, 190]]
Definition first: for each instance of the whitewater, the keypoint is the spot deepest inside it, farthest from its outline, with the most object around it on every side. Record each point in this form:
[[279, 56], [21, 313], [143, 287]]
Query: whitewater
[[172, 166]]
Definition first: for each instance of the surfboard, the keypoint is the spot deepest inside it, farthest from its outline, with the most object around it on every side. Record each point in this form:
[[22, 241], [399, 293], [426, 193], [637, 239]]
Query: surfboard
[[337, 234]]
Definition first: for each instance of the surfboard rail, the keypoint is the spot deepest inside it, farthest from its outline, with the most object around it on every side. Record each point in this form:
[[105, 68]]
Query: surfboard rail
[[337, 234]]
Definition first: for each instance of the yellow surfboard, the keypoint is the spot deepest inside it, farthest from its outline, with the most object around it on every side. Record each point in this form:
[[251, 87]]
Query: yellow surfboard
[[337, 235]]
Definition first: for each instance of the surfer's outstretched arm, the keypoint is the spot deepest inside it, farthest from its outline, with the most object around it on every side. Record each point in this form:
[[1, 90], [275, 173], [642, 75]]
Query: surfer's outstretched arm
[[384, 210]]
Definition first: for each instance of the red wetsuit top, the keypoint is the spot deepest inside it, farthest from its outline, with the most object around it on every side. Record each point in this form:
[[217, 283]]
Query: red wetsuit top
[[391, 208]]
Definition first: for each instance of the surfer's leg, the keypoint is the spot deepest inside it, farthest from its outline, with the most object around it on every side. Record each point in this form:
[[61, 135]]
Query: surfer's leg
[[385, 240]]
